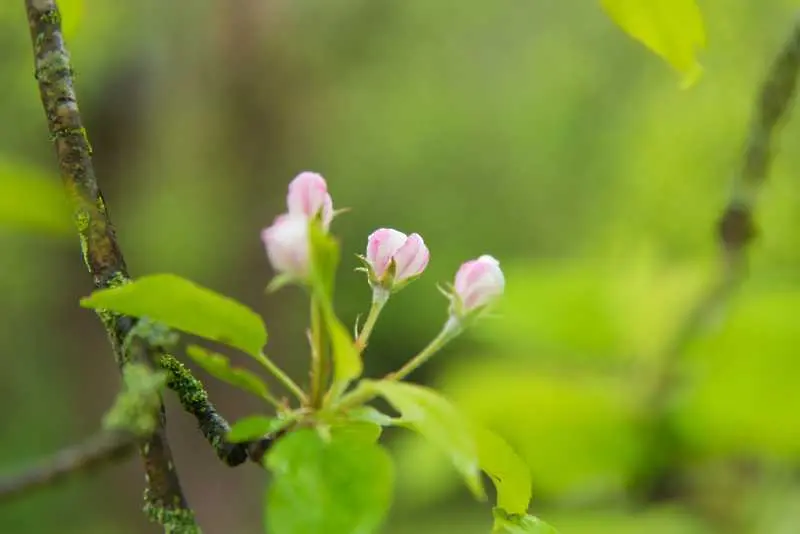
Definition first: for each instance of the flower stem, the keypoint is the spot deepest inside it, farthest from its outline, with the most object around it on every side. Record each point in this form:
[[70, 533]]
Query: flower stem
[[360, 396], [379, 298], [451, 330], [320, 368], [283, 378]]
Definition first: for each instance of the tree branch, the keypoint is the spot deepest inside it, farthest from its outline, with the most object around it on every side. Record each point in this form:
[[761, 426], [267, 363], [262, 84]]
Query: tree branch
[[194, 400], [101, 252], [96, 452], [102, 255], [735, 231]]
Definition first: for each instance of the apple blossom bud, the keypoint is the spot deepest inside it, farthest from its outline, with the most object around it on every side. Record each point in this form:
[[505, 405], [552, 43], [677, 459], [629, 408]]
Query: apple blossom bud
[[394, 259], [287, 245], [308, 196], [478, 283]]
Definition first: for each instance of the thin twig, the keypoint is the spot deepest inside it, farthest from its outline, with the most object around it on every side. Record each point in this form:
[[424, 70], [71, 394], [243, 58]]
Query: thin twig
[[102, 255], [96, 452], [194, 400], [735, 231]]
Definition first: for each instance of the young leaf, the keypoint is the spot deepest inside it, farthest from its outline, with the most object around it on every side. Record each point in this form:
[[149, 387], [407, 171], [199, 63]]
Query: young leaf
[[509, 473], [324, 260], [368, 414], [219, 366], [505, 523], [340, 486], [186, 306], [359, 430], [255, 427], [430, 414], [673, 29]]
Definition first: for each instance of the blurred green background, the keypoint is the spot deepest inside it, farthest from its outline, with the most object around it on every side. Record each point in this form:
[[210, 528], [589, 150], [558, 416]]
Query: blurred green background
[[533, 130]]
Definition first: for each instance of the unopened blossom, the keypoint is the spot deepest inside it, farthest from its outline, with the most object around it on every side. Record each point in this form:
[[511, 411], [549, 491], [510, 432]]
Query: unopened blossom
[[478, 283], [308, 196], [393, 258], [287, 245]]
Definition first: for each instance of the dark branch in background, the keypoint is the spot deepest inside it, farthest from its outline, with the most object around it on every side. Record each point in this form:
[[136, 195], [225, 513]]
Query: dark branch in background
[[132, 418], [735, 231], [96, 452]]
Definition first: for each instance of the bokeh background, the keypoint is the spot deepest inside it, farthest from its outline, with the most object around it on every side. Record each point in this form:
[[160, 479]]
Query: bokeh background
[[533, 130]]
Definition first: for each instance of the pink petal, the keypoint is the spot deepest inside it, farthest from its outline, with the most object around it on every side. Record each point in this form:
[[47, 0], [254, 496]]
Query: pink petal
[[411, 258], [307, 195], [382, 245]]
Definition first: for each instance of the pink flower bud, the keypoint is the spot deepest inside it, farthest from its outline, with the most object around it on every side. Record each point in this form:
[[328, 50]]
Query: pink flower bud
[[478, 283], [287, 244], [409, 253], [308, 196]]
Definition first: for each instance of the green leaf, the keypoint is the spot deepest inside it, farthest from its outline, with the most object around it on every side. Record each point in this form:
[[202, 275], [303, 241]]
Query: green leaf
[[219, 366], [340, 486], [186, 306], [433, 416], [360, 430], [368, 414], [255, 427], [509, 473], [505, 523], [673, 29], [33, 200], [324, 260]]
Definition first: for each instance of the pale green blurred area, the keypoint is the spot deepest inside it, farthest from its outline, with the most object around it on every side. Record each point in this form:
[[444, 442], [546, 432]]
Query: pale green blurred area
[[532, 130]]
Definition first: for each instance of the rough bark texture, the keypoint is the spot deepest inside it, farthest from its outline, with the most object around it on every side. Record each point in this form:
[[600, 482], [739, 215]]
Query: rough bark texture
[[101, 252]]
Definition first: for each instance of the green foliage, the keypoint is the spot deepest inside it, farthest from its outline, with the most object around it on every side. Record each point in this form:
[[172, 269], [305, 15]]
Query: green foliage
[[740, 371], [596, 313], [369, 414], [358, 430], [254, 427], [324, 260], [673, 29], [219, 366], [340, 485], [509, 473], [552, 405], [186, 306], [432, 416], [32, 200], [505, 523]]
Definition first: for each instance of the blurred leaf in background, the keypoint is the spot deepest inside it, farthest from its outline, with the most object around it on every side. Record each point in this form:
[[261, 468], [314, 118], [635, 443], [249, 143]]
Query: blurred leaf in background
[[673, 29], [32, 199]]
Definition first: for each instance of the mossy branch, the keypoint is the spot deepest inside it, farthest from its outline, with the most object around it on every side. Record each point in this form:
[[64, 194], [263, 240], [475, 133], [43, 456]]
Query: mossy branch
[[102, 254], [101, 251]]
